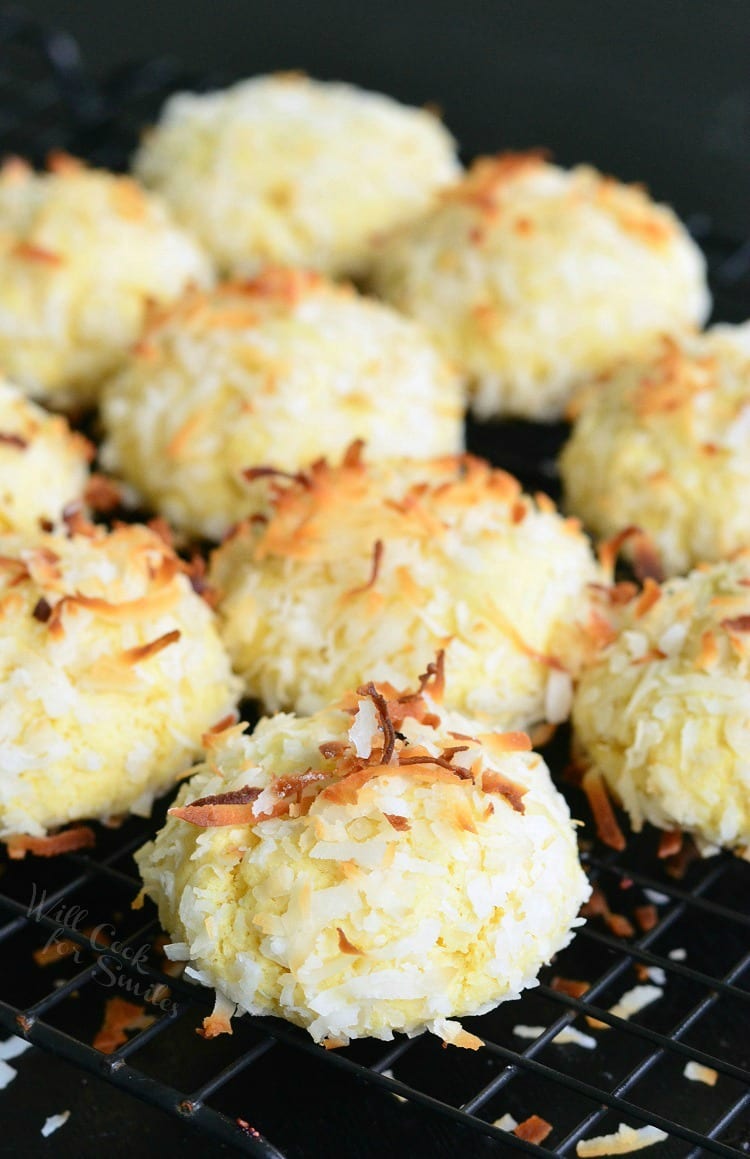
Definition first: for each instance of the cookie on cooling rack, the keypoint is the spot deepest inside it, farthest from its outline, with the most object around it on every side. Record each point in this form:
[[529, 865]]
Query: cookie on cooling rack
[[279, 371], [369, 568], [82, 253], [111, 668], [663, 715], [533, 279], [381, 866], [286, 170], [43, 464], [664, 444]]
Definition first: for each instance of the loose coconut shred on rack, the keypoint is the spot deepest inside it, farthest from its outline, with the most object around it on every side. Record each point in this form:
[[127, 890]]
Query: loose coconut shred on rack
[[376, 867]]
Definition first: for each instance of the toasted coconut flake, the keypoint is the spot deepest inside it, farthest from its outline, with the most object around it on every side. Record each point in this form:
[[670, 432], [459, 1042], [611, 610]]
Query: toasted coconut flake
[[400, 824], [647, 917], [708, 657], [622, 1142], [377, 559], [120, 1016], [533, 1130], [12, 440], [67, 841], [234, 808], [65, 947], [386, 724], [144, 652], [598, 906], [696, 1072], [570, 986], [453, 1034], [649, 596], [28, 252], [607, 828], [542, 734], [738, 624], [647, 561], [619, 925], [494, 782], [345, 946], [220, 1019], [102, 493], [506, 742], [609, 549], [670, 843], [432, 679]]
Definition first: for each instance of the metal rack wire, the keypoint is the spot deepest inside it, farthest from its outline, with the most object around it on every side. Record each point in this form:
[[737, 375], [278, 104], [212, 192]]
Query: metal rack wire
[[635, 1073]]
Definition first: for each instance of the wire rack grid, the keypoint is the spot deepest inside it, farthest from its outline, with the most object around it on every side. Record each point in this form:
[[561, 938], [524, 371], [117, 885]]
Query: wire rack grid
[[696, 945]]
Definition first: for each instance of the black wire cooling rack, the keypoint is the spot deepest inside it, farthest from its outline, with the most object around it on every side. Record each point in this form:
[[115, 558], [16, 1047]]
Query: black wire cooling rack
[[684, 929]]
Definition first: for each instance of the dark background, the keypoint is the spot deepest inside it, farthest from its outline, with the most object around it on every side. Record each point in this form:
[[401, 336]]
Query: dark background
[[658, 92]]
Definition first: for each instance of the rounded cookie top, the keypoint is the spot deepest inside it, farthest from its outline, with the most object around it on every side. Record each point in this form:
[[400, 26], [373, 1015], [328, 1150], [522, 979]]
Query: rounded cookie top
[[663, 713], [43, 463], [380, 866], [82, 254], [275, 371], [111, 668], [534, 278], [370, 568], [664, 443], [286, 170]]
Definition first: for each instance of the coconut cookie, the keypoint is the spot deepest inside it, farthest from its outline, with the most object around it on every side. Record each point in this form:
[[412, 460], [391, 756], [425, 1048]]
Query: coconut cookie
[[368, 569], [82, 254], [381, 866], [111, 669], [663, 715], [534, 279], [664, 444], [286, 170], [276, 371], [44, 466]]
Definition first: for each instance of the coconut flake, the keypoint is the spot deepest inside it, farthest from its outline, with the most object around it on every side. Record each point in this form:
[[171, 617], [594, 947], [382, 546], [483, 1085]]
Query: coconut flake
[[558, 696], [390, 1075], [624, 1140], [453, 1034], [12, 1047], [7, 1074], [54, 1122], [635, 1000], [655, 897], [177, 951], [364, 728], [506, 1122], [698, 1073], [528, 1031], [577, 1037], [678, 954]]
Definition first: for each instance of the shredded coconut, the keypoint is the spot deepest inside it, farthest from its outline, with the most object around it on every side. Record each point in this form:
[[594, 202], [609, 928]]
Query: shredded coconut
[[537, 279], [701, 1074], [54, 1122], [635, 1000], [622, 1142]]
